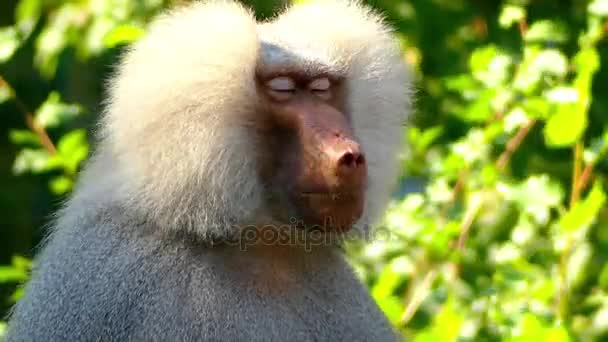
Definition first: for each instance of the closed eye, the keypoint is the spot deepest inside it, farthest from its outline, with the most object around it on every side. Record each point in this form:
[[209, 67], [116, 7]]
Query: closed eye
[[320, 84], [281, 88], [321, 87], [281, 84]]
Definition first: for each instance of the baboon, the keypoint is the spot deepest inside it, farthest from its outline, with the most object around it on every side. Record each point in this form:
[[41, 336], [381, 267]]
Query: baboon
[[216, 128]]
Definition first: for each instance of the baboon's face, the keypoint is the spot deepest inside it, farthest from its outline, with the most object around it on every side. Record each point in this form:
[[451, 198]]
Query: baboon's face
[[313, 163]]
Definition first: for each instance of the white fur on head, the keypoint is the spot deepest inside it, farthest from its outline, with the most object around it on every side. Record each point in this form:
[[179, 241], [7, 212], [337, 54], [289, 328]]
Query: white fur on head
[[176, 124], [176, 145]]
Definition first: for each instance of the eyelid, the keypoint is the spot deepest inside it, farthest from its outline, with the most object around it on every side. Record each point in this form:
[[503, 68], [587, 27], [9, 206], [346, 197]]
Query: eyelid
[[281, 84], [320, 84]]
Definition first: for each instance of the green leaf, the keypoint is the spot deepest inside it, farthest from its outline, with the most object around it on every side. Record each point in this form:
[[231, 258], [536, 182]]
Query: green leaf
[[93, 42], [565, 127], [490, 66], [386, 284], [422, 140], [74, 148], [24, 137], [53, 112], [480, 110], [123, 34], [27, 15], [536, 196], [587, 61], [9, 43], [528, 74], [461, 83], [21, 262], [49, 45], [537, 107], [546, 31], [603, 278], [12, 274], [551, 62], [384, 294], [61, 185], [584, 212], [30, 160], [532, 328], [72, 141], [481, 58], [576, 267], [448, 322], [569, 123]]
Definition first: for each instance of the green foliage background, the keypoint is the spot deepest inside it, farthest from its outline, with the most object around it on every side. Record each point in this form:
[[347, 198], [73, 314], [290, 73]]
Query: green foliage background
[[498, 232]]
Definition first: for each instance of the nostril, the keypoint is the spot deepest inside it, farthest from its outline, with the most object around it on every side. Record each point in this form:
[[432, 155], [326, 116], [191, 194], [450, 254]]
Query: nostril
[[347, 159], [360, 160], [351, 160]]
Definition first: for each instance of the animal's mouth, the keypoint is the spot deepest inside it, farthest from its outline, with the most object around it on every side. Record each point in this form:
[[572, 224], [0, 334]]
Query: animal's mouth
[[331, 210]]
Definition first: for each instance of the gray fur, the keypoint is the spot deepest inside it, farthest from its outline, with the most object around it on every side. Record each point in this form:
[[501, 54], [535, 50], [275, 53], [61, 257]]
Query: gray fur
[[98, 281]]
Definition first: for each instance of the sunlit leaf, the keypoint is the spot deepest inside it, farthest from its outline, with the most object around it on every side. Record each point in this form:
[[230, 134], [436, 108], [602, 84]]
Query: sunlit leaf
[[562, 95], [546, 31], [536, 196], [551, 62], [479, 110], [533, 328], [49, 45], [9, 43], [511, 14], [27, 15], [61, 185], [565, 127], [383, 293], [21, 262], [537, 107], [584, 212], [448, 322], [576, 266], [12, 274], [53, 112], [123, 34], [57, 35], [93, 42], [599, 7], [24, 137], [74, 149], [30, 160]]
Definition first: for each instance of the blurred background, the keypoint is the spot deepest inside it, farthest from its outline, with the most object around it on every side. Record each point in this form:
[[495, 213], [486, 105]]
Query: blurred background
[[499, 231]]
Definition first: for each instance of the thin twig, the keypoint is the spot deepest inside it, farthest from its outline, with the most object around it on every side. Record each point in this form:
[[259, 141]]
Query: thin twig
[[30, 121], [419, 296], [513, 144], [576, 173], [459, 185], [585, 178], [467, 222]]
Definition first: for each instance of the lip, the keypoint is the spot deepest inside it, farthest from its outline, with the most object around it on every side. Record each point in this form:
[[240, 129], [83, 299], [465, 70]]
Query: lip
[[336, 196], [335, 210]]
